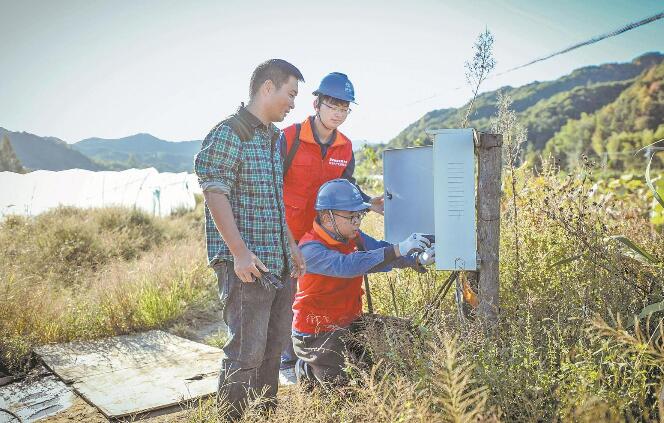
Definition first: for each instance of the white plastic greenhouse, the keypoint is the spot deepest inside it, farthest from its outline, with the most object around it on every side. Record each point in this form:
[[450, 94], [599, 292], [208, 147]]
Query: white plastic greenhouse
[[146, 189]]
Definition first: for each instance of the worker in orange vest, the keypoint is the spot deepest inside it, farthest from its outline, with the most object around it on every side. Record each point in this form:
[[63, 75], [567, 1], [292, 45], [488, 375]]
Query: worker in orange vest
[[314, 152], [328, 304]]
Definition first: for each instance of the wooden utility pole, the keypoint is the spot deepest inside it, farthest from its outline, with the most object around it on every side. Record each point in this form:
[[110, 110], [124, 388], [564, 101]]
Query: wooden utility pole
[[486, 281], [489, 161]]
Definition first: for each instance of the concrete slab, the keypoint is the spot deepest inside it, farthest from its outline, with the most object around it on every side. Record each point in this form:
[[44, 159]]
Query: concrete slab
[[136, 373], [32, 400]]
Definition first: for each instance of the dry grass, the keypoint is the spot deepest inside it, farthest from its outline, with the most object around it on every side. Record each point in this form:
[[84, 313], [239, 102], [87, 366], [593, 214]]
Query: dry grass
[[80, 274], [548, 360], [552, 357]]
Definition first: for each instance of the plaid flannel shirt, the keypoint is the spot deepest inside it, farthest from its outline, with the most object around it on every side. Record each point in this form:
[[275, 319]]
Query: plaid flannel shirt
[[250, 174]]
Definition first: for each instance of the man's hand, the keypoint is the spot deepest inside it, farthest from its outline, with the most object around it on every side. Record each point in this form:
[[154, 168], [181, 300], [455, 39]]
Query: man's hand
[[298, 258], [378, 204], [296, 255], [247, 265], [415, 242], [427, 256]]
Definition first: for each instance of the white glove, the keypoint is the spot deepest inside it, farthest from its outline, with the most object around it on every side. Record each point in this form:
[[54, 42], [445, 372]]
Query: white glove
[[427, 257], [415, 242]]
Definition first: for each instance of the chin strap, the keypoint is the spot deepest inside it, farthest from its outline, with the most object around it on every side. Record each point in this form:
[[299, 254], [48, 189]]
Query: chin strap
[[337, 234]]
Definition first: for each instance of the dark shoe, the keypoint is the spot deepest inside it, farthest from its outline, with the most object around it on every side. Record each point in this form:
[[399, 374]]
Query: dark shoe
[[304, 376]]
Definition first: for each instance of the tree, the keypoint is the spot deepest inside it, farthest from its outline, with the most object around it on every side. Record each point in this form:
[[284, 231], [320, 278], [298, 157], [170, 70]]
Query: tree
[[8, 160]]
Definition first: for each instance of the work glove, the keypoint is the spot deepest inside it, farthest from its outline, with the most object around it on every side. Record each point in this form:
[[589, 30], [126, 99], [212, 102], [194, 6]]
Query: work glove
[[427, 256], [416, 242]]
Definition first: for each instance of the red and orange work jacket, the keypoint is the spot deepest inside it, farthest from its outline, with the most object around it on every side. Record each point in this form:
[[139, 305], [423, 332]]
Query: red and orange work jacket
[[326, 303], [308, 171]]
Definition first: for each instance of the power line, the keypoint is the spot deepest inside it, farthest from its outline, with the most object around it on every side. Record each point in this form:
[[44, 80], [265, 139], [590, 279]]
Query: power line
[[593, 40]]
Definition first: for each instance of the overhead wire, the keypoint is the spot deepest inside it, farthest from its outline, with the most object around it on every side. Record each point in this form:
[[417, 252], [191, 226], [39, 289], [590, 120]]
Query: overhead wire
[[593, 40]]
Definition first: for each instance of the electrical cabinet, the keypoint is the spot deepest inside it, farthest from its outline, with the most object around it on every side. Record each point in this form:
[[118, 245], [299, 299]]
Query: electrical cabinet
[[432, 190]]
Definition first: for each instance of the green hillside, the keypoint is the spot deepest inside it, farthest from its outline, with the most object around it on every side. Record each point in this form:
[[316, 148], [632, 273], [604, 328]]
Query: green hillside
[[547, 116], [545, 107], [616, 131]]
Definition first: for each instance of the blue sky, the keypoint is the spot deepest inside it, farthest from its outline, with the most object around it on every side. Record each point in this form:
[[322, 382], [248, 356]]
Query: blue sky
[[77, 69]]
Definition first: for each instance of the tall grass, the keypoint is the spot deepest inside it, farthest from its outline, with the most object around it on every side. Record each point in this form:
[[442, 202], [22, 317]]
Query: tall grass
[[78, 274], [559, 352], [564, 348]]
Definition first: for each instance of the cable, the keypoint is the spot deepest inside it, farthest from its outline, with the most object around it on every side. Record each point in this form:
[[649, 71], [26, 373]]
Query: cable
[[593, 40], [11, 413], [438, 297]]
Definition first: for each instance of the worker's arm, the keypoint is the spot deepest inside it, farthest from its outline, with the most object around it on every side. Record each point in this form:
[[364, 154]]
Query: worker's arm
[[297, 256], [323, 261], [399, 262], [245, 263], [217, 166], [295, 252]]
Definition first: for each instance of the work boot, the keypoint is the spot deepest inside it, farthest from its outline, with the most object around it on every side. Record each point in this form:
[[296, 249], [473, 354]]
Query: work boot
[[304, 376]]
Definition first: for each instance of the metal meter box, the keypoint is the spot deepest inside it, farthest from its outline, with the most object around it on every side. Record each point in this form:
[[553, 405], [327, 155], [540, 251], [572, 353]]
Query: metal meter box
[[408, 179], [432, 190]]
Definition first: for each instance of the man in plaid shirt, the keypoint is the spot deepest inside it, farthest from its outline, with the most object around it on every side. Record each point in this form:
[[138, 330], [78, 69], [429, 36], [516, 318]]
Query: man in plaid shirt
[[240, 172]]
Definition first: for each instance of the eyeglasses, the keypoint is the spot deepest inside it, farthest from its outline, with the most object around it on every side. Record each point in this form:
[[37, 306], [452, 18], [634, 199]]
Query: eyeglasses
[[342, 110], [355, 218]]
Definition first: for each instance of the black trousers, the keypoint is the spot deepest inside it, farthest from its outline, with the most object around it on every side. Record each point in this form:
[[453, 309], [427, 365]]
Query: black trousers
[[321, 357]]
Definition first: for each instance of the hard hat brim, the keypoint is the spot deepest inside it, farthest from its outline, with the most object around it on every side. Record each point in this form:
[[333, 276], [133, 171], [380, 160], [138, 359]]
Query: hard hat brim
[[357, 207], [317, 93], [363, 206]]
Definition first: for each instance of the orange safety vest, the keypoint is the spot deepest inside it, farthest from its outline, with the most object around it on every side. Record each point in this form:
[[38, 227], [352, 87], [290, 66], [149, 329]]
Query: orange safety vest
[[326, 303], [308, 171]]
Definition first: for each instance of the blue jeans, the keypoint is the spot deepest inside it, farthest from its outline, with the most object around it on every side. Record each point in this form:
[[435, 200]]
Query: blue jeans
[[259, 325]]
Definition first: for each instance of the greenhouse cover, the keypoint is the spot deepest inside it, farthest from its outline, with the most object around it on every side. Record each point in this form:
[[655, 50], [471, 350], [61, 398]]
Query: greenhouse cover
[[159, 194]]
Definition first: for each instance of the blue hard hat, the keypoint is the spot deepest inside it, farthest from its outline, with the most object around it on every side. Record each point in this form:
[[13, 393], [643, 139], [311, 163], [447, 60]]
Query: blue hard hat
[[340, 194], [337, 85]]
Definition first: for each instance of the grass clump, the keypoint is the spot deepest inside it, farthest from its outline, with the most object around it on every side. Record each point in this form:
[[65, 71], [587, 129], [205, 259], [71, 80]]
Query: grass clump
[[72, 274]]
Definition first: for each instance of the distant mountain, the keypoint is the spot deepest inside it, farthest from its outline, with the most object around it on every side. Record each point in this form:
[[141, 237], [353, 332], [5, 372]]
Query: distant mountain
[[139, 151], [543, 107], [48, 153]]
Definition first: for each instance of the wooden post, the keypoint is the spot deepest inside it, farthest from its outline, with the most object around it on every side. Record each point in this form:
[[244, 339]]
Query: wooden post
[[489, 159]]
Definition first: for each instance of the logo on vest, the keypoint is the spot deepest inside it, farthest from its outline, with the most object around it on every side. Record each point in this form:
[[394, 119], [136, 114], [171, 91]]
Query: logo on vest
[[338, 162]]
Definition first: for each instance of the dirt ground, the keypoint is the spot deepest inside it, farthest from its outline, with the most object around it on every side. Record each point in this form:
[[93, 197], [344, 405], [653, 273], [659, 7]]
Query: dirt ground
[[81, 411]]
